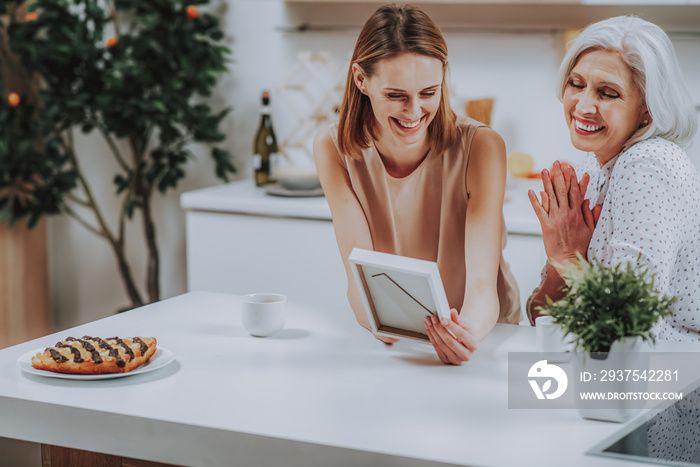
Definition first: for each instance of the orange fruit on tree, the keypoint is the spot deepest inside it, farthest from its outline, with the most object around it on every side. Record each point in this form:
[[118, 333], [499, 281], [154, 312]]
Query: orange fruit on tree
[[192, 11], [31, 16], [13, 99], [112, 41]]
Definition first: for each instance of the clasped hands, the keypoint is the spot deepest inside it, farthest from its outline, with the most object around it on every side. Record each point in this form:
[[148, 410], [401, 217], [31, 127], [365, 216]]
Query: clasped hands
[[565, 215]]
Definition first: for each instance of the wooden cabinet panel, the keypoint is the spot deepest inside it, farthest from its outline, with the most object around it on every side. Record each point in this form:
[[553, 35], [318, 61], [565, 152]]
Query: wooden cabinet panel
[[57, 456], [24, 301]]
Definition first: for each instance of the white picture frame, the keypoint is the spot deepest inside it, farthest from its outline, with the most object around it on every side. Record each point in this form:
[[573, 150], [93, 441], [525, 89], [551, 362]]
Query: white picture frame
[[398, 293]]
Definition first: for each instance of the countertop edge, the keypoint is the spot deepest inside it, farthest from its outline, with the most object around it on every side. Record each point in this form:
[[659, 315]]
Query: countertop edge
[[134, 435], [242, 197]]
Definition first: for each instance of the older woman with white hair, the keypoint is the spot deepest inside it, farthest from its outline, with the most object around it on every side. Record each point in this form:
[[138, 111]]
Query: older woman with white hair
[[626, 104]]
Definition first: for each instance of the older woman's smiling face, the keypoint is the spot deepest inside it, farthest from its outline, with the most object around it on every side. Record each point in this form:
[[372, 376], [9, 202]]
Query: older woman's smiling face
[[603, 106]]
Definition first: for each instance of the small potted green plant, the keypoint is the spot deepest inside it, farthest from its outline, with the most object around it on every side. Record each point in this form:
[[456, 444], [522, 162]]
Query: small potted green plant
[[605, 304], [610, 312]]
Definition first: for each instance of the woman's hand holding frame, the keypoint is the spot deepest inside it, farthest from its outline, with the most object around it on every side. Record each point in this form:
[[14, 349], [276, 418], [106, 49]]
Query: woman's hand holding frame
[[452, 340]]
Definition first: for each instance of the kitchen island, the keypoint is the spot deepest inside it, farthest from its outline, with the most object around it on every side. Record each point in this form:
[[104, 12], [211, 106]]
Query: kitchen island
[[322, 392]]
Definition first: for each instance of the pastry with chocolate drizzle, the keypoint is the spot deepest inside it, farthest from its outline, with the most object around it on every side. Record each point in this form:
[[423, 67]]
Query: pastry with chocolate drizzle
[[93, 355]]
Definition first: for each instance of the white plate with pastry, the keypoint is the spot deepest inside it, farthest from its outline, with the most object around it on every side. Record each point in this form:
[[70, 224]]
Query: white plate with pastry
[[159, 359]]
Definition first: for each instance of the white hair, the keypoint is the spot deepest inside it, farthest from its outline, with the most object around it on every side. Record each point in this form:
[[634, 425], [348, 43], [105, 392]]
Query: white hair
[[648, 52]]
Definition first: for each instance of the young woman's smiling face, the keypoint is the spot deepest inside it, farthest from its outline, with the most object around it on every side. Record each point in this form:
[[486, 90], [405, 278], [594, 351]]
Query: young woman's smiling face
[[405, 93], [603, 106]]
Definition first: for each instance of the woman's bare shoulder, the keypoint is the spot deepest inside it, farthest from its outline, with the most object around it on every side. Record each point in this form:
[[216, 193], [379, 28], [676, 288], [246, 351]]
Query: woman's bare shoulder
[[324, 145], [486, 142]]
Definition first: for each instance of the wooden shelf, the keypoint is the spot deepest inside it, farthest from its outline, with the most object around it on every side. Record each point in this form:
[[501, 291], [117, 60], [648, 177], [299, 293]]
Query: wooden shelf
[[516, 15]]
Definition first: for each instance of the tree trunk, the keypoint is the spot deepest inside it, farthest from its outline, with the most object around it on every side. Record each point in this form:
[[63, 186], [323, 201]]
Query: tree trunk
[[144, 191], [153, 262], [127, 277]]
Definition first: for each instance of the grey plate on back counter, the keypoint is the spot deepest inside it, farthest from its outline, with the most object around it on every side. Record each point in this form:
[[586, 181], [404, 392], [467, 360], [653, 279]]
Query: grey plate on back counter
[[275, 189]]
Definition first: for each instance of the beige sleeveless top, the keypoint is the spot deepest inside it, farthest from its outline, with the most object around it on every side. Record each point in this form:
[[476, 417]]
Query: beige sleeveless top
[[423, 215]]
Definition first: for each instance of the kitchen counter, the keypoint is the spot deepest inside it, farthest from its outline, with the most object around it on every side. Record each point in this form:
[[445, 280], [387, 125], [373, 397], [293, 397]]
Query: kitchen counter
[[243, 197], [321, 392]]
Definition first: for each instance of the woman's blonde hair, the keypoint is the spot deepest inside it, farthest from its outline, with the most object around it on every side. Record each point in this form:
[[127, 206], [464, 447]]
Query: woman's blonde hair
[[392, 30], [649, 53]]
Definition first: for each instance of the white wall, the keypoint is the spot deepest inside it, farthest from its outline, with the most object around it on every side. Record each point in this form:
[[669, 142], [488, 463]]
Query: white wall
[[518, 69]]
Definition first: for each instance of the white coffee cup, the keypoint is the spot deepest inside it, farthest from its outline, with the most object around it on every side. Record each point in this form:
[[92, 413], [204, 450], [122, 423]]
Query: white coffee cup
[[550, 337], [263, 314]]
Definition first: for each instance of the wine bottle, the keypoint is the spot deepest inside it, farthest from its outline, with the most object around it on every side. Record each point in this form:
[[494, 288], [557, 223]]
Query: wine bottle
[[265, 145]]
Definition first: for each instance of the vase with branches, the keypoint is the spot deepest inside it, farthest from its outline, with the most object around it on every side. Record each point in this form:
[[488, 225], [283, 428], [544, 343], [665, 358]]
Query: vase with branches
[[138, 73]]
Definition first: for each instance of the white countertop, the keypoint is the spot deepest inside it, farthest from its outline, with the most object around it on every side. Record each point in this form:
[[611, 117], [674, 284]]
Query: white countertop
[[243, 197], [322, 392]]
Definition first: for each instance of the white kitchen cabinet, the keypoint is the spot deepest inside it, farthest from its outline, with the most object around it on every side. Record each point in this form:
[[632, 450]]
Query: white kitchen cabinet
[[240, 240], [526, 257], [244, 253], [524, 250]]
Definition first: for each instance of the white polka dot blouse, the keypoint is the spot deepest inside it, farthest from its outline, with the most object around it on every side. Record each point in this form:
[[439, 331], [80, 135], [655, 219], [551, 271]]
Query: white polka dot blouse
[[650, 197]]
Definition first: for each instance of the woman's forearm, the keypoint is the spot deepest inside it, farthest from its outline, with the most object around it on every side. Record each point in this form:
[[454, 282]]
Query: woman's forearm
[[480, 312], [552, 287]]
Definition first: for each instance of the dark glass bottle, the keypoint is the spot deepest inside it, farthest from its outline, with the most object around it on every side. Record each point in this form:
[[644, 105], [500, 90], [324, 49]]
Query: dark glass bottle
[[265, 145]]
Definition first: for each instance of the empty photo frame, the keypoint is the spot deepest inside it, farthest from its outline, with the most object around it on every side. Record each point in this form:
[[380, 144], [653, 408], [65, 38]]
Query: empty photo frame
[[398, 292]]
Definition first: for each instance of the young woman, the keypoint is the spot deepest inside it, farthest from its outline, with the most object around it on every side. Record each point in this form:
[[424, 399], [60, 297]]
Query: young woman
[[625, 103], [403, 175]]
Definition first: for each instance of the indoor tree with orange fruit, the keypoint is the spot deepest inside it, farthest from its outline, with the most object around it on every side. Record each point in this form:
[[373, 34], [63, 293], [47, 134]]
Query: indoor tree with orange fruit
[[134, 72]]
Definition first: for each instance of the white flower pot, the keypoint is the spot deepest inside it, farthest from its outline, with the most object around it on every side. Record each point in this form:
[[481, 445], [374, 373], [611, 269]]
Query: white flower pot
[[626, 353]]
